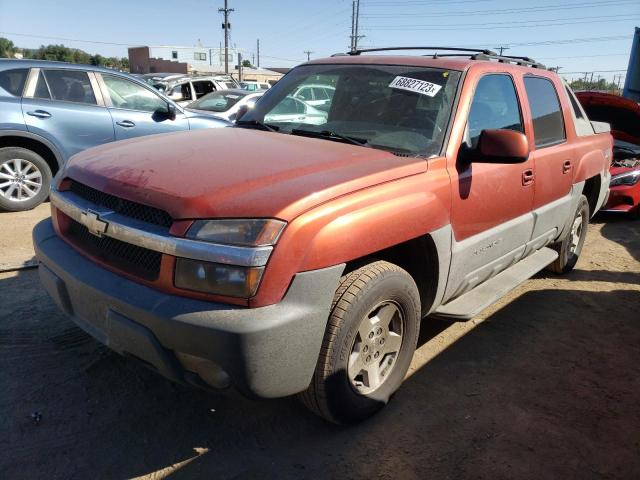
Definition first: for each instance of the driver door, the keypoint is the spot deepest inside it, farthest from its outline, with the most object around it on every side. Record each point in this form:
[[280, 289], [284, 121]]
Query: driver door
[[492, 203], [137, 110]]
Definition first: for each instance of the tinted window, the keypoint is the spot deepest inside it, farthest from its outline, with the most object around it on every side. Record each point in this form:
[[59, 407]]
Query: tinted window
[[548, 124], [495, 106], [42, 90], [131, 96], [13, 80], [69, 86]]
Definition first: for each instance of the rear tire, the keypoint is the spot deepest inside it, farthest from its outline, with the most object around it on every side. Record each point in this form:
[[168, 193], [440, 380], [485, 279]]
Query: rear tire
[[25, 179], [368, 345], [570, 247]]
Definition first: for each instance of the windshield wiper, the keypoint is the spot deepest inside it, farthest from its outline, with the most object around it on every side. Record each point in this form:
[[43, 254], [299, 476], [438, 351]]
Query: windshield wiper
[[256, 123], [328, 134]]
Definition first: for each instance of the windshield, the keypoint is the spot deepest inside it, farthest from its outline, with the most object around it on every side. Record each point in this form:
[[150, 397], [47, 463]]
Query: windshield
[[402, 109], [220, 101]]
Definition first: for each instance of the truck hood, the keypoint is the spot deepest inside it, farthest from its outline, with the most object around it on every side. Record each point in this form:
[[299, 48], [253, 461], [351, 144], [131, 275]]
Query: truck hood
[[235, 172]]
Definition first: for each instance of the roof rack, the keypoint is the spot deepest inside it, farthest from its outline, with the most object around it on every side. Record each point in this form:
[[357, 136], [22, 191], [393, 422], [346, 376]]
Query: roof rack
[[472, 53], [453, 49]]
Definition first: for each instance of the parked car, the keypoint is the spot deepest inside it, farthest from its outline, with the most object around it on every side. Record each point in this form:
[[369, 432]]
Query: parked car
[[225, 103], [294, 258], [50, 111], [623, 115], [294, 110], [318, 96], [254, 86], [186, 89]]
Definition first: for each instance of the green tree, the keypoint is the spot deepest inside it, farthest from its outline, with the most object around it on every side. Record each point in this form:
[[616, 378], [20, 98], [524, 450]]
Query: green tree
[[7, 48], [247, 63]]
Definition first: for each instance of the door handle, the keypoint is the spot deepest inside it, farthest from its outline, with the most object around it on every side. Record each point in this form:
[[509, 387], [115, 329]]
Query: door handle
[[527, 177], [126, 123], [566, 166], [39, 114]]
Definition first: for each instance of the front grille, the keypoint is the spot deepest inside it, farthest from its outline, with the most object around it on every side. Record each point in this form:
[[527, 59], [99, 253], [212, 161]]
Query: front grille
[[121, 255], [122, 206]]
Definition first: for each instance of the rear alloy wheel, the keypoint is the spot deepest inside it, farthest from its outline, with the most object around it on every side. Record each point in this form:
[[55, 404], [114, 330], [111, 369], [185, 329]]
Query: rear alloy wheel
[[25, 179], [368, 345], [569, 249]]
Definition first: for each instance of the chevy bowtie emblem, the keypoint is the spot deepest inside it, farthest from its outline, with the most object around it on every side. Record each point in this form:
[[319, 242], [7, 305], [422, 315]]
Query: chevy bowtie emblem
[[94, 224]]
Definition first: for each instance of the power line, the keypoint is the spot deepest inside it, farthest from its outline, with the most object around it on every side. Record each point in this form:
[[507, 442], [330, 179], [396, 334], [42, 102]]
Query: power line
[[504, 11], [493, 25]]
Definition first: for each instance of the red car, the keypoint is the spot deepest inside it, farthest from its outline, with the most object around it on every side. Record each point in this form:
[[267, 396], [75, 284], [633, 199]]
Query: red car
[[624, 117]]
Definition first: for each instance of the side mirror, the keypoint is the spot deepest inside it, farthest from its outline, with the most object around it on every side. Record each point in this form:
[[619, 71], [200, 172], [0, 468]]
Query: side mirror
[[501, 146], [242, 110]]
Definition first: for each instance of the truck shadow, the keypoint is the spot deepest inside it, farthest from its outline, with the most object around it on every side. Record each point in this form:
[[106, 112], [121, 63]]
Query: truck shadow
[[621, 229], [553, 375]]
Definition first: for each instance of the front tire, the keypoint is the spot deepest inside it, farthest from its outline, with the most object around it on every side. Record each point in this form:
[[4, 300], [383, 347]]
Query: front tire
[[570, 247], [25, 179], [368, 345]]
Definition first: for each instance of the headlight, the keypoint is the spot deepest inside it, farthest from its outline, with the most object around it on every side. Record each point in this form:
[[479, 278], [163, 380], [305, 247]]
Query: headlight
[[241, 232], [216, 278], [627, 178], [223, 279]]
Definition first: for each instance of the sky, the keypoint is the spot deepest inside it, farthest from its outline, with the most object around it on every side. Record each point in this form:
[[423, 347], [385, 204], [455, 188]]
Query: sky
[[581, 35]]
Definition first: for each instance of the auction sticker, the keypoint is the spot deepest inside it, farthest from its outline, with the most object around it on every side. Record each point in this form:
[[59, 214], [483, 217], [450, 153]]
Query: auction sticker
[[414, 85]]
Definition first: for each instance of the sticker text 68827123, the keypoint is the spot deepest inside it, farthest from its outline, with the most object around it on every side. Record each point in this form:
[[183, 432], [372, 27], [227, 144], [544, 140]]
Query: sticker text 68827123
[[414, 85]]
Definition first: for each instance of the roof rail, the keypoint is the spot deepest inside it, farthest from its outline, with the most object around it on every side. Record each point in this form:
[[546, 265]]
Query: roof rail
[[452, 49], [472, 53]]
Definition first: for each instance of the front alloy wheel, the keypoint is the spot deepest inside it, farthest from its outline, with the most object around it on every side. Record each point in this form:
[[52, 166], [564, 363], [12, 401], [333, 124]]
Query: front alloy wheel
[[368, 344], [376, 347]]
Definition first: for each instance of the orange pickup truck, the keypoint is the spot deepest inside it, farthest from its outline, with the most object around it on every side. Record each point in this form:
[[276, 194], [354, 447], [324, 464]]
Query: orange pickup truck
[[298, 251]]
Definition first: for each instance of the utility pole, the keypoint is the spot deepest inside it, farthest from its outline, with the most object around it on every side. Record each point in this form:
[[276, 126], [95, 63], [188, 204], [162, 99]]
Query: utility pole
[[239, 67], [502, 48], [226, 11], [355, 17], [308, 53], [356, 37], [258, 52]]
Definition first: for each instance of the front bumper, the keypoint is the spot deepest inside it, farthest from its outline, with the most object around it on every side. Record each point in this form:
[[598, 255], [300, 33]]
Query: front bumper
[[267, 352]]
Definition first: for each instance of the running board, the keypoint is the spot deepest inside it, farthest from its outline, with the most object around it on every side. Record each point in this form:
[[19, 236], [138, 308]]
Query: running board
[[467, 306]]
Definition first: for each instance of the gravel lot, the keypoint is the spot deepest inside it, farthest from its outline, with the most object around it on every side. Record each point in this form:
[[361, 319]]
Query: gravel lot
[[544, 385]]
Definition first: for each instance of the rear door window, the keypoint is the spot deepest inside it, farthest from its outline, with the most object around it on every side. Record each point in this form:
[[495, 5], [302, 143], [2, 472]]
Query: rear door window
[[13, 81], [495, 106], [67, 86], [548, 124]]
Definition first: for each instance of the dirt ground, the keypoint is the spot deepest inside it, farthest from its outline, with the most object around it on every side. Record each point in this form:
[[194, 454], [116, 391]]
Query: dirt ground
[[544, 385]]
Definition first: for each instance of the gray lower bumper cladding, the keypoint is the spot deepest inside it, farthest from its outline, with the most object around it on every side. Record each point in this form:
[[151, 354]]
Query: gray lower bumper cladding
[[266, 352]]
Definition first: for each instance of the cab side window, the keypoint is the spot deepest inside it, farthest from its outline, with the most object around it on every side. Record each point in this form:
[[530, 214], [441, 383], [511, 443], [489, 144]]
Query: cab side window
[[548, 124], [495, 106]]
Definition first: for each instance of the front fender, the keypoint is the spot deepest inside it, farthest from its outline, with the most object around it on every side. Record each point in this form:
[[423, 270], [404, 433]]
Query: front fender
[[356, 225]]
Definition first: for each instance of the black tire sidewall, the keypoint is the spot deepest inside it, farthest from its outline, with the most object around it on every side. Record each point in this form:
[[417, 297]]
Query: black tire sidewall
[[570, 259], [344, 402], [8, 153]]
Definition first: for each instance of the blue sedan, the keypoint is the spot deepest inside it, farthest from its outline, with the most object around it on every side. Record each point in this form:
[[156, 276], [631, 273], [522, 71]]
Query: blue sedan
[[50, 111]]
